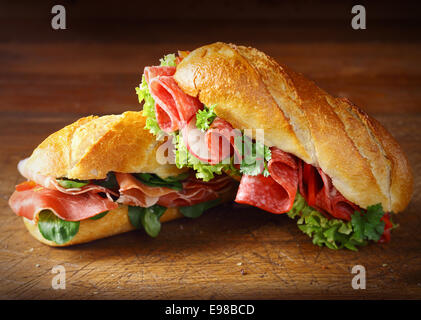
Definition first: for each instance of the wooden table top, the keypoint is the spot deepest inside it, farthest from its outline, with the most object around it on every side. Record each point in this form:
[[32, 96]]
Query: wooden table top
[[231, 252]]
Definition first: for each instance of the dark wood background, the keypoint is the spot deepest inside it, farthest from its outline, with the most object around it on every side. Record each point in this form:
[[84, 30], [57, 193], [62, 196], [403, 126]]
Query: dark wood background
[[50, 78]]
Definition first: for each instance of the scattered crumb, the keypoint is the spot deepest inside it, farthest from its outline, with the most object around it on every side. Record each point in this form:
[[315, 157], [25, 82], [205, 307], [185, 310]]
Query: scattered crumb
[[37, 265], [239, 264], [384, 265], [95, 292], [181, 227], [30, 250], [243, 273]]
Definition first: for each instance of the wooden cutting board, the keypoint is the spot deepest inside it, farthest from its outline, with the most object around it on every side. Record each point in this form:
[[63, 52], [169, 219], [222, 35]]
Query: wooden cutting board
[[232, 251]]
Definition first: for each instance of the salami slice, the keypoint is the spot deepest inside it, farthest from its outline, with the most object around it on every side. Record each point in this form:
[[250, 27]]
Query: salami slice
[[264, 193], [173, 108], [275, 193], [319, 192]]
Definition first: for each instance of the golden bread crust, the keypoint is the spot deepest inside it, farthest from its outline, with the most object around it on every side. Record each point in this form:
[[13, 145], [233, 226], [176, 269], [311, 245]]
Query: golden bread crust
[[252, 91], [93, 146]]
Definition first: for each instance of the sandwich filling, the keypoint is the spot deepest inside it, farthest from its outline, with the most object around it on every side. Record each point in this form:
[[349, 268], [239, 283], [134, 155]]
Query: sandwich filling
[[270, 178], [58, 205]]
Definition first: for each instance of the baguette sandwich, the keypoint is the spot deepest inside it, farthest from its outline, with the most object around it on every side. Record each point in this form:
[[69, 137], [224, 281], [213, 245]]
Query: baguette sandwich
[[102, 176], [294, 148]]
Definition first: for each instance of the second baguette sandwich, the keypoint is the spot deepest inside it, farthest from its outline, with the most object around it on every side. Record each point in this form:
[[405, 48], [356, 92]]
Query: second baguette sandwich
[[102, 176]]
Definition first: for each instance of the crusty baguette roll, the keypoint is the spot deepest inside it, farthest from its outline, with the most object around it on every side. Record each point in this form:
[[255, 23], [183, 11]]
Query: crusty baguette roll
[[89, 149], [93, 146], [251, 90], [115, 222]]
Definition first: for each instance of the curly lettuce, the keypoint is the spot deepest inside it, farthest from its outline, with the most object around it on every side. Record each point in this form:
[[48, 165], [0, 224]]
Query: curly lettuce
[[148, 108], [336, 233], [168, 60], [205, 117]]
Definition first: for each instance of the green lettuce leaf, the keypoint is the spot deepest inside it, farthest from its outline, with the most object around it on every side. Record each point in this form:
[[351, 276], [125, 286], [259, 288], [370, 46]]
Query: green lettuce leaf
[[336, 233], [168, 60], [153, 180], [148, 218], [55, 229], [197, 210], [148, 109], [71, 183], [205, 117]]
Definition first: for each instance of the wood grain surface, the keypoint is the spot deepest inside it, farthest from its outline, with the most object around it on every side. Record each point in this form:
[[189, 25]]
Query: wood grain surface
[[49, 79]]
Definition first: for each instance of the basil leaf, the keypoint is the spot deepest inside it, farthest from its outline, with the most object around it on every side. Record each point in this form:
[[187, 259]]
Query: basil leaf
[[148, 218], [153, 180], [99, 215], [196, 210], [135, 214], [55, 229], [70, 184], [110, 182]]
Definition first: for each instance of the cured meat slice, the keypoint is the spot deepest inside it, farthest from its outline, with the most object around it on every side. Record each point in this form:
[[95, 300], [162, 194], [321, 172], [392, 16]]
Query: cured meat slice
[[319, 192], [264, 193], [51, 182], [156, 71], [30, 199], [173, 107], [275, 193], [135, 193], [196, 191], [283, 168]]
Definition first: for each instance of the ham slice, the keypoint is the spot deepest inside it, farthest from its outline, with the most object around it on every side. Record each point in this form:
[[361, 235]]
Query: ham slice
[[196, 191], [51, 182], [135, 193], [173, 108], [319, 192], [275, 193], [30, 199]]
